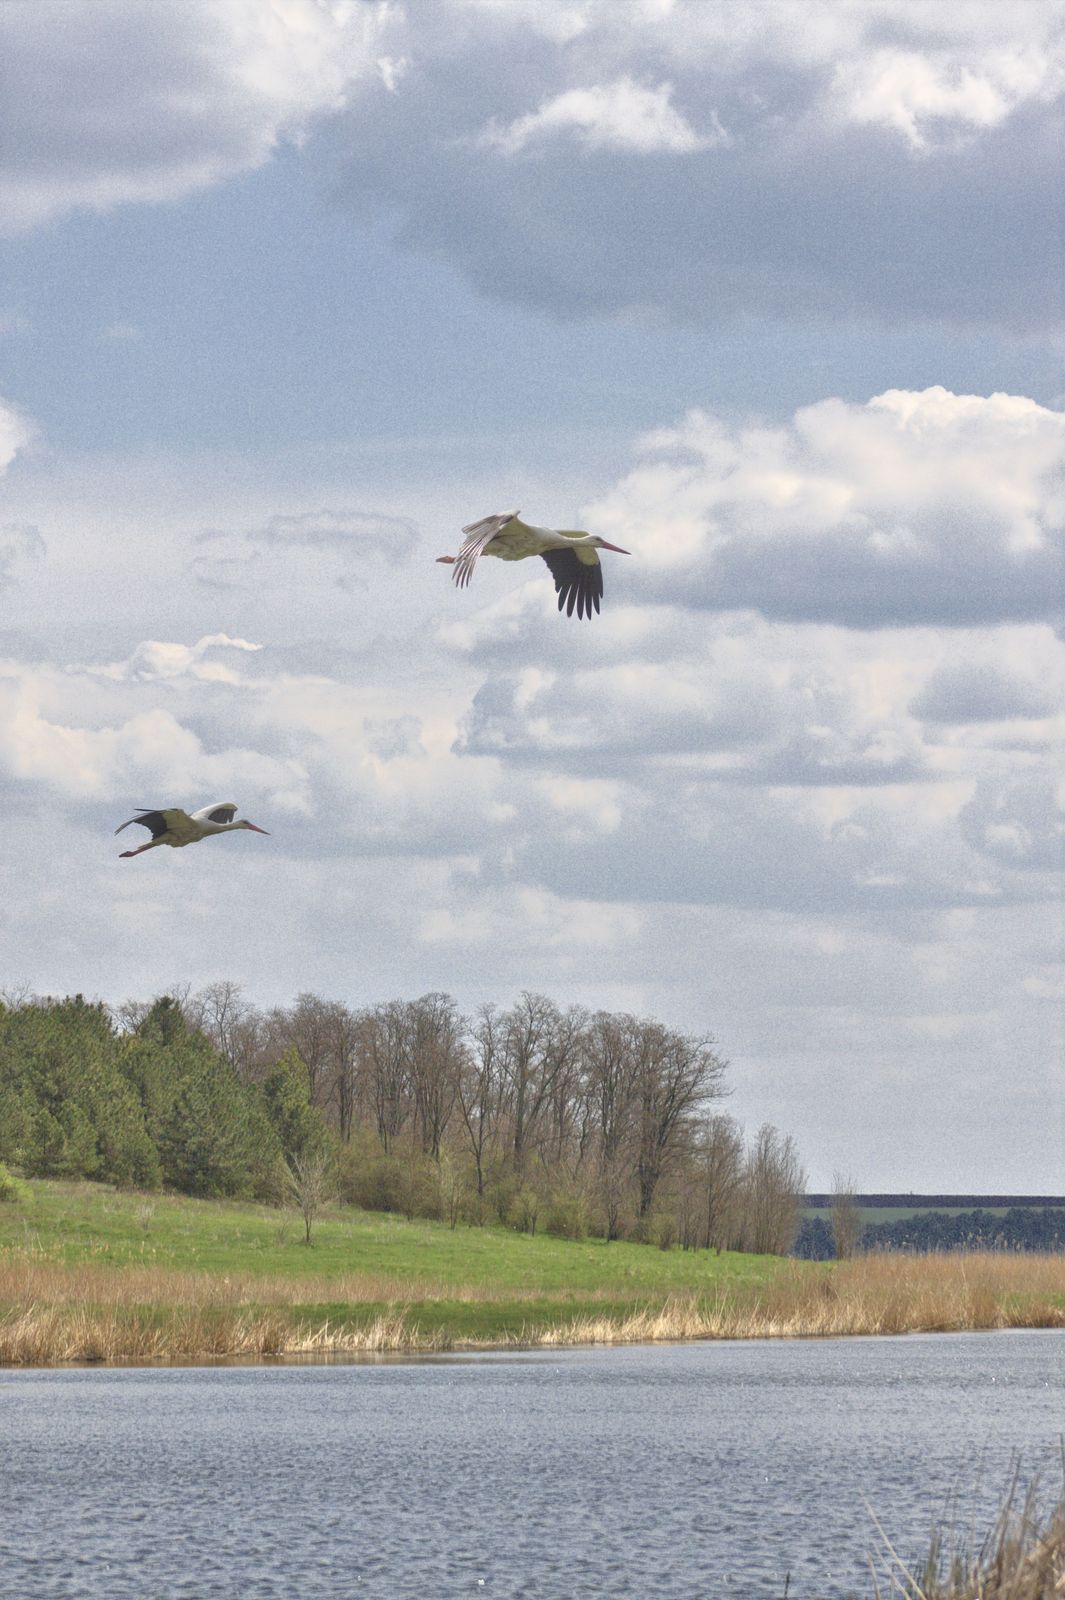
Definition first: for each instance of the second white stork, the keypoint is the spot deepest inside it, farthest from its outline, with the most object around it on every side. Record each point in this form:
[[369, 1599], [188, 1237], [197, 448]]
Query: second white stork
[[572, 555], [177, 828]]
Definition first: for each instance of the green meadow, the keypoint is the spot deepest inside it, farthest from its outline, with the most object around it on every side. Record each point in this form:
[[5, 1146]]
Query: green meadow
[[91, 1273]]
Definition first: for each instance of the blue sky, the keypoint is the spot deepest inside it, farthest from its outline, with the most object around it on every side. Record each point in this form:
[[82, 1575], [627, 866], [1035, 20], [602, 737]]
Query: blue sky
[[771, 296]]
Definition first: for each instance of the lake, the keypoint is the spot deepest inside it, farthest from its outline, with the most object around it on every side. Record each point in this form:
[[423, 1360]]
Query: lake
[[686, 1471]]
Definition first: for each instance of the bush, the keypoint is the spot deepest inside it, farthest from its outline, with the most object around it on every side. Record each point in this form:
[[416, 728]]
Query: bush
[[11, 1191], [565, 1218], [524, 1210]]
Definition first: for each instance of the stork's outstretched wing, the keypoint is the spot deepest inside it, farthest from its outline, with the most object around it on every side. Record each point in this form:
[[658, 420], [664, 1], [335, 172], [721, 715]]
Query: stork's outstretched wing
[[157, 822], [479, 534], [220, 811], [578, 577]]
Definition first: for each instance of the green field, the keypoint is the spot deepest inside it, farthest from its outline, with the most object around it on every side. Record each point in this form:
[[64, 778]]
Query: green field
[[478, 1284], [80, 1222], [874, 1214]]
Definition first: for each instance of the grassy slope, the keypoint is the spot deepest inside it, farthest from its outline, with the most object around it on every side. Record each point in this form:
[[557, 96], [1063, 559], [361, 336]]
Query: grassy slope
[[479, 1283], [86, 1273]]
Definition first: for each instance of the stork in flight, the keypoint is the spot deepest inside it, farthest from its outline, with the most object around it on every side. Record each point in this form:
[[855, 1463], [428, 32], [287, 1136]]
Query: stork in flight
[[573, 556], [177, 828]]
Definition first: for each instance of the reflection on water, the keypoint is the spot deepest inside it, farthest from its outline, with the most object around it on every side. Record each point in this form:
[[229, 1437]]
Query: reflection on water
[[691, 1471]]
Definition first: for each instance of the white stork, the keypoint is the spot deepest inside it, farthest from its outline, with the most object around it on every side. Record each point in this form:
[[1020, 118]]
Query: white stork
[[573, 556], [177, 828]]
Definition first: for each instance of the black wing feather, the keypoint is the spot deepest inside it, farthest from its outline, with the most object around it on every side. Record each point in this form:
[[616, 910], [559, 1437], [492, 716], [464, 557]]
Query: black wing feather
[[154, 821], [222, 814], [576, 582]]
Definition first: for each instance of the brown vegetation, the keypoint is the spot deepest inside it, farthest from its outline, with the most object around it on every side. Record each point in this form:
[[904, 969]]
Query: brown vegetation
[[90, 1312], [1023, 1558]]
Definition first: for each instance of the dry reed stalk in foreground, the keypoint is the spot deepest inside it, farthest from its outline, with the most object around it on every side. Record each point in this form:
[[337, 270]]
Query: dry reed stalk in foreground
[[1022, 1559], [45, 1335]]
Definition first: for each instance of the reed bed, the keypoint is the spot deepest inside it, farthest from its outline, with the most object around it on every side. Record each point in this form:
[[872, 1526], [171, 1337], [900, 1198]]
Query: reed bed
[[53, 1312]]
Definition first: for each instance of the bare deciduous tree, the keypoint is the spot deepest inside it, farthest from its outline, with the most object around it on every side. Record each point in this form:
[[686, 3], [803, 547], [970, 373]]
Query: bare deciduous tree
[[718, 1162], [846, 1216], [677, 1075], [773, 1186], [311, 1185], [480, 1089]]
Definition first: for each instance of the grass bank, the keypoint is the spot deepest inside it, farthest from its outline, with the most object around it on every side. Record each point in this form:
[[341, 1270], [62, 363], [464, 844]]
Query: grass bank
[[90, 1274]]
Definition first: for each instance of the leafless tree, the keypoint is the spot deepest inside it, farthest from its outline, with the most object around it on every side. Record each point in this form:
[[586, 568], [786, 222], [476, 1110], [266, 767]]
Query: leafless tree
[[540, 1046], [677, 1076], [307, 1026], [221, 1012], [611, 1068], [846, 1216], [718, 1164], [311, 1184], [480, 1089], [343, 1033], [435, 1050], [773, 1187], [385, 1055]]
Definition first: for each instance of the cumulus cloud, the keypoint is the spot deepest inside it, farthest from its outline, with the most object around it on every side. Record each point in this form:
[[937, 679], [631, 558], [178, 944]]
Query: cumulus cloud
[[15, 432], [111, 101], [830, 121], [912, 508], [908, 160], [937, 95], [624, 115]]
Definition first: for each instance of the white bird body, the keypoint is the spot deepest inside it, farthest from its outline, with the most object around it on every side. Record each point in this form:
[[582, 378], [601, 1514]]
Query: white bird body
[[178, 828], [572, 556]]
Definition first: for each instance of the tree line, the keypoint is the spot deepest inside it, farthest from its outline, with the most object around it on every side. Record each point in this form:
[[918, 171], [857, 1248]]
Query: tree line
[[536, 1115], [1035, 1228]]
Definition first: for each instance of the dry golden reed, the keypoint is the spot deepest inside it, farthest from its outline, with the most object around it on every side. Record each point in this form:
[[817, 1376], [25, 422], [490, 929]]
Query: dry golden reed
[[52, 1312], [1023, 1558]]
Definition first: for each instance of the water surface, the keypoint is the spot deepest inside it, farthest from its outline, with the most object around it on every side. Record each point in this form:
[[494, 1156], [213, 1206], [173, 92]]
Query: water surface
[[678, 1472]]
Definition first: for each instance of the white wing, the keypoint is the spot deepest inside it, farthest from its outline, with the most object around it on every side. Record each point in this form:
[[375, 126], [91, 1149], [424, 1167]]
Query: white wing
[[218, 811], [479, 534]]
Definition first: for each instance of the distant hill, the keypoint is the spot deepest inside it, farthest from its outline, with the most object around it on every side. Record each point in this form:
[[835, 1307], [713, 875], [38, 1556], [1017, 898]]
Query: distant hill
[[938, 1202], [922, 1222]]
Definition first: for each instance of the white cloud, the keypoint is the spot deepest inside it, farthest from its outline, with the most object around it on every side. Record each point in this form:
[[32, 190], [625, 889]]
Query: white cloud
[[112, 101], [928, 97], [915, 507], [623, 115], [15, 432]]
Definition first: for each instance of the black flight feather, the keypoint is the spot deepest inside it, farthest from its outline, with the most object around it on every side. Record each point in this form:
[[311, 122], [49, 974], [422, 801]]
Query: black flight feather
[[576, 582]]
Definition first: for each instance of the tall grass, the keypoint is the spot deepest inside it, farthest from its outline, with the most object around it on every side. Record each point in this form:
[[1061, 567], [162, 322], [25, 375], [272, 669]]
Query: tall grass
[[1022, 1558], [53, 1311]]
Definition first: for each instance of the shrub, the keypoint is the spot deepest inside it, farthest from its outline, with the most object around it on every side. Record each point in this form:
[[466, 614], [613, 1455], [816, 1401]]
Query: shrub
[[11, 1191], [565, 1218]]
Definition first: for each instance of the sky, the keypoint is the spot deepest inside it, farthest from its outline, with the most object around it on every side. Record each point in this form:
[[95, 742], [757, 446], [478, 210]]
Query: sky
[[770, 294]]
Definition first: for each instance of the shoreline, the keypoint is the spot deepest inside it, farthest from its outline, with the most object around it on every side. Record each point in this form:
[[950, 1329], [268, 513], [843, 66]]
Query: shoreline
[[86, 1316], [461, 1353]]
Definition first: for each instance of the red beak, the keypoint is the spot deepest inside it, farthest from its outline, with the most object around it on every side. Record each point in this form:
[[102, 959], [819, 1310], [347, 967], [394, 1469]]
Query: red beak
[[449, 559], [255, 829], [607, 546]]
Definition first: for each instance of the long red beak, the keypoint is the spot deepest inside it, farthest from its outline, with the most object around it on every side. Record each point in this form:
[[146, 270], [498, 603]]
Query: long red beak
[[255, 829], [449, 559], [608, 546]]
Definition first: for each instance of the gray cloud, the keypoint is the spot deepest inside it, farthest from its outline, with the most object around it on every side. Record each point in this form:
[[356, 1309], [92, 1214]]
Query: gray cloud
[[116, 102], [983, 692], [884, 174], [20, 544], [339, 540]]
